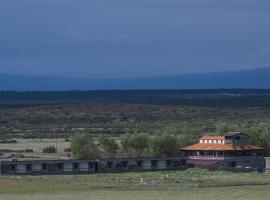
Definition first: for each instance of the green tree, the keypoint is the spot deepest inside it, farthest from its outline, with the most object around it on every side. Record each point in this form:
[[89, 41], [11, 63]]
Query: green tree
[[135, 144], [108, 145], [84, 147], [260, 137], [164, 144]]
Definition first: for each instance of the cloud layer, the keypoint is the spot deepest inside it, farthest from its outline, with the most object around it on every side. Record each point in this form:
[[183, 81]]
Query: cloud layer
[[127, 38]]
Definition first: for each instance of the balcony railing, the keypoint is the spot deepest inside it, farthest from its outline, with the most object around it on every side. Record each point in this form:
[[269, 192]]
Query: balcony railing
[[222, 157], [206, 157]]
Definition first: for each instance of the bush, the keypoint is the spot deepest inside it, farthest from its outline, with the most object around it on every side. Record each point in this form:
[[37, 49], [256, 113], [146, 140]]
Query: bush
[[67, 150], [49, 149], [135, 144], [28, 150], [260, 137], [11, 141], [108, 145], [164, 145], [84, 147]]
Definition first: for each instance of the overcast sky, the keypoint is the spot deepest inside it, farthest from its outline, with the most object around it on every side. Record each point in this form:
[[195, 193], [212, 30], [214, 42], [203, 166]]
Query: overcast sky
[[132, 38]]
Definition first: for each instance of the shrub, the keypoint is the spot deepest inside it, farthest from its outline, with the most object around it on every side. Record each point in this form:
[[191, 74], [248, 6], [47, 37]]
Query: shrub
[[164, 145], [67, 150], [108, 145], [28, 150], [135, 144], [84, 147], [49, 149]]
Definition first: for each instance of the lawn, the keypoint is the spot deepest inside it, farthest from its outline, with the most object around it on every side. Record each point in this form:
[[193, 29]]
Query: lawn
[[189, 184]]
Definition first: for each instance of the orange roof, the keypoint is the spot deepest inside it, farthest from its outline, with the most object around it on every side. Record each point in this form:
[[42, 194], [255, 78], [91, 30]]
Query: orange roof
[[221, 147], [212, 138]]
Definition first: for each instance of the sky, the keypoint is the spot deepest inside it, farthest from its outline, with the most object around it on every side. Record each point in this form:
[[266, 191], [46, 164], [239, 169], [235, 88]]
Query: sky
[[132, 38]]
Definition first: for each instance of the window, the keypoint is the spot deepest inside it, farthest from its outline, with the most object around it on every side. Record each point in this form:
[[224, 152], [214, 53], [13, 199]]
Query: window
[[140, 163], [124, 163], [60, 166], [91, 165], [75, 165], [29, 167], [153, 163], [44, 166], [109, 164], [169, 163]]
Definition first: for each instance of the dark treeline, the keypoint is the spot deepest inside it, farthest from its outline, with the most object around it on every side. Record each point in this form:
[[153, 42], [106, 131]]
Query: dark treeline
[[222, 97]]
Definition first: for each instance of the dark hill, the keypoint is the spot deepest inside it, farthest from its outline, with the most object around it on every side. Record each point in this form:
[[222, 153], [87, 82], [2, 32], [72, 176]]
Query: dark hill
[[247, 79]]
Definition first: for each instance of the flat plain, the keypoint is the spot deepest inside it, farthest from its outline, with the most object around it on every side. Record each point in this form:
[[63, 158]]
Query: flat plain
[[188, 184]]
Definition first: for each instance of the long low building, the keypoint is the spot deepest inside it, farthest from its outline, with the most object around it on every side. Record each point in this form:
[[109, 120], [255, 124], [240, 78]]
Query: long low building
[[39, 167], [47, 167]]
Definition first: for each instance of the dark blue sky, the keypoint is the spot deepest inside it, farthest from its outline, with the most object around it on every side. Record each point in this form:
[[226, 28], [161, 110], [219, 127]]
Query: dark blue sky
[[131, 38]]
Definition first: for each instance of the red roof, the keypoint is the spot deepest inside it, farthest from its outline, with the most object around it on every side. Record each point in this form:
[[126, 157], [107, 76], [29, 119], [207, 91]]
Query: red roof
[[221, 147]]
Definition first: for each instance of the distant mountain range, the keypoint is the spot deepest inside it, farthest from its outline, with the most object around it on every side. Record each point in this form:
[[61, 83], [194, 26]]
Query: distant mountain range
[[245, 79]]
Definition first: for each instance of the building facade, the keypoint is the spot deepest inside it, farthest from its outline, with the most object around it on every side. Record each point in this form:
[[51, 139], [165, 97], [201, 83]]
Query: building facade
[[40, 167], [229, 151]]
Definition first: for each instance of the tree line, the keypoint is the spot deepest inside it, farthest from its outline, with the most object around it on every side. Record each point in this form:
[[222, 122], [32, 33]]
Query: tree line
[[83, 146]]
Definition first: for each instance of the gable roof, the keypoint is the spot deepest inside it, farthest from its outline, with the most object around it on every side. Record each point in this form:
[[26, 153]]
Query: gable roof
[[234, 133]]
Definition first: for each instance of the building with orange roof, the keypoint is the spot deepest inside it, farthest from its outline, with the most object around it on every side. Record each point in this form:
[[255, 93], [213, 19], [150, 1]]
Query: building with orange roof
[[229, 151]]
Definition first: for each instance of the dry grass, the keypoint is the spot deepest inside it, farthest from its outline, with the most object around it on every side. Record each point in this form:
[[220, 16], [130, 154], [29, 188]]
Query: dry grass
[[183, 181], [35, 144], [239, 193]]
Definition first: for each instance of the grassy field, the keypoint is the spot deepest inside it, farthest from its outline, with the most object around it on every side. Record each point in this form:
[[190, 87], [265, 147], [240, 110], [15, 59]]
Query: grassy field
[[189, 184], [239, 193], [36, 145], [35, 127], [48, 121]]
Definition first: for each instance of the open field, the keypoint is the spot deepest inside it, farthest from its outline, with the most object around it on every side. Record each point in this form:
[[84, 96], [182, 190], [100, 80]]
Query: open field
[[239, 193], [61, 114], [50, 121], [189, 184], [36, 145]]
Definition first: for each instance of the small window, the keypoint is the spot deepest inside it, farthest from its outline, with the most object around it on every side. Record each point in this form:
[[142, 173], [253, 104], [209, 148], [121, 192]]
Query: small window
[[109, 164], [124, 163], [140, 163], [29, 167], [75, 165], [13, 167], [60, 166], [44, 166], [91, 165], [153, 163], [169, 163]]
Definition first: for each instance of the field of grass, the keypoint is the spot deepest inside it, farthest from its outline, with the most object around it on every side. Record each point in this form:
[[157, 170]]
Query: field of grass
[[63, 120], [237, 193], [36, 145], [189, 184]]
